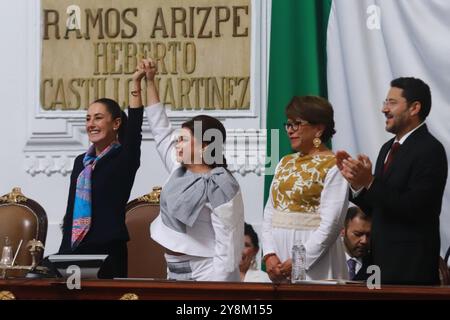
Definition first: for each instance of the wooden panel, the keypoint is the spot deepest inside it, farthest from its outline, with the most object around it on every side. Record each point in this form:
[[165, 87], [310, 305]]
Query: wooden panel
[[172, 290]]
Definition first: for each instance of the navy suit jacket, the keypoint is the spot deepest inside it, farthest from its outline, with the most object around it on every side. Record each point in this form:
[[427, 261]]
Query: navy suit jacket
[[362, 274], [405, 204]]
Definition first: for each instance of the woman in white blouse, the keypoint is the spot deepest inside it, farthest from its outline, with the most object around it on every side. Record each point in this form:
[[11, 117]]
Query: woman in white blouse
[[201, 220], [308, 197]]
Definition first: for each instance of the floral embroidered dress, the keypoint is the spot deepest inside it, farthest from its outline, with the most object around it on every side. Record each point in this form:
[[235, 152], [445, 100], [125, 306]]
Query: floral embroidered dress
[[308, 201]]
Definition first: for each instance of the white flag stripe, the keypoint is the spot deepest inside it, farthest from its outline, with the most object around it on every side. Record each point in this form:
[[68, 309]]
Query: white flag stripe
[[371, 42]]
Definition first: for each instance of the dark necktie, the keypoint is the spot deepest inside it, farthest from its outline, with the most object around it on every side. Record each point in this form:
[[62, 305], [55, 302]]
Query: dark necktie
[[394, 149], [351, 268]]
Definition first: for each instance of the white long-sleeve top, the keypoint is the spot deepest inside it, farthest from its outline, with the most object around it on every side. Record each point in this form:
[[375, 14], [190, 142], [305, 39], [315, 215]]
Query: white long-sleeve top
[[325, 258], [217, 232]]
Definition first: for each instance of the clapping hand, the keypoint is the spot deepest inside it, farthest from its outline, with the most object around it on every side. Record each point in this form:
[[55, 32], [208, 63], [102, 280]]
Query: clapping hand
[[358, 172], [340, 157]]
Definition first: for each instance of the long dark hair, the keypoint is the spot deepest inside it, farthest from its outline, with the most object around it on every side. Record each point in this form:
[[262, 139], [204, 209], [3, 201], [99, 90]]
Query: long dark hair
[[114, 109], [207, 123]]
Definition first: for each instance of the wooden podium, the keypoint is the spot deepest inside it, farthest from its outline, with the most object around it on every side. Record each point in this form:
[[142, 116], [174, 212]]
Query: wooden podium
[[138, 289]]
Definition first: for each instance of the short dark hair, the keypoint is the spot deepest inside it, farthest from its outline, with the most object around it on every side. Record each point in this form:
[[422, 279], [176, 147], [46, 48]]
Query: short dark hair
[[249, 231], [415, 89], [315, 110], [207, 123], [115, 111], [352, 212]]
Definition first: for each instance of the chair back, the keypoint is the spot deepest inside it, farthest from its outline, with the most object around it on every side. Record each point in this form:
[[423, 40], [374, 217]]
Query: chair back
[[444, 274], [447, 254], [22, 220], [145, 256]]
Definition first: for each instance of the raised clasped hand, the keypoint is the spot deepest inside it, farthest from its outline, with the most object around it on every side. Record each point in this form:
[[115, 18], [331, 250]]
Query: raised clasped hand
[[139, 73]]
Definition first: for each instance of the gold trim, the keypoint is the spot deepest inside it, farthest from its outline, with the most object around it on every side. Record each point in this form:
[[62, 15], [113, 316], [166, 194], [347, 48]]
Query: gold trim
[[36, 246], [153, 197], [129, 296], [15, 196], [7, 295]]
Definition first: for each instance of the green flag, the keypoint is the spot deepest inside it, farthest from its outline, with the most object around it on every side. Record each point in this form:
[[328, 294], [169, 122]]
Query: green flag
[[297, 62]]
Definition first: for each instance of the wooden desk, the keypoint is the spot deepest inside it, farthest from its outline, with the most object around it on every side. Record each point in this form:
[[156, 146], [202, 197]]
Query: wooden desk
[[184, 290]]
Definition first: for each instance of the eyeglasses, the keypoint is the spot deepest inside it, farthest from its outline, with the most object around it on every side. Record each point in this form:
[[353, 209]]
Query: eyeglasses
[[295, 125], [391, 103]]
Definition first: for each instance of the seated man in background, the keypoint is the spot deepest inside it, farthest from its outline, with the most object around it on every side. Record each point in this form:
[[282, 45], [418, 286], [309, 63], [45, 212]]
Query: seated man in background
[[356, 236], [248, 266]]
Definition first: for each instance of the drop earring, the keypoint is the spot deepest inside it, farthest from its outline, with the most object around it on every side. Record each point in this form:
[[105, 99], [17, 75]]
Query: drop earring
[[317, 142]]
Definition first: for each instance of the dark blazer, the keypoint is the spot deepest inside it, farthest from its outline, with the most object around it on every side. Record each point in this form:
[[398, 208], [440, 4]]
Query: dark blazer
[[112, 180], [362, 274], [405, 204]]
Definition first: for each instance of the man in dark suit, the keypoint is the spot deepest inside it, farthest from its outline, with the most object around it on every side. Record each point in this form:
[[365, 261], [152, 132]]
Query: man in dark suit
[[404, 196], [356, 237]]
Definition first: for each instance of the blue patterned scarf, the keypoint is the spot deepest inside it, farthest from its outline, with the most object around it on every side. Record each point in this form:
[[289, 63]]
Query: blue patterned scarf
[[82, 211]]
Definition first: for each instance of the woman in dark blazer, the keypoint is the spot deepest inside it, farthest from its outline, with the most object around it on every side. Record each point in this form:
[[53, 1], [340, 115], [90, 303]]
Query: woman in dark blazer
[[101, 183]]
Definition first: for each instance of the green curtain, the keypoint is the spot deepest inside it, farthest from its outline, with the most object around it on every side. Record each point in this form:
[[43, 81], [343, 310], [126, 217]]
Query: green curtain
[[297, 62]]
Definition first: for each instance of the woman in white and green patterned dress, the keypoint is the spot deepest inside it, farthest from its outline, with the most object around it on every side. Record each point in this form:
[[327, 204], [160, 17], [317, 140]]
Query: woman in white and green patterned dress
[[308, 197]]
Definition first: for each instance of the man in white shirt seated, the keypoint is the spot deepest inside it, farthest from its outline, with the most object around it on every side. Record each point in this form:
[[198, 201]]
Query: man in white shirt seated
[[356, 237]]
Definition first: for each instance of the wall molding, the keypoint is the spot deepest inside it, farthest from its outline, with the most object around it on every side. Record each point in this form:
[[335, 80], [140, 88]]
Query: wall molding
[[244, 150], [49, 164]]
